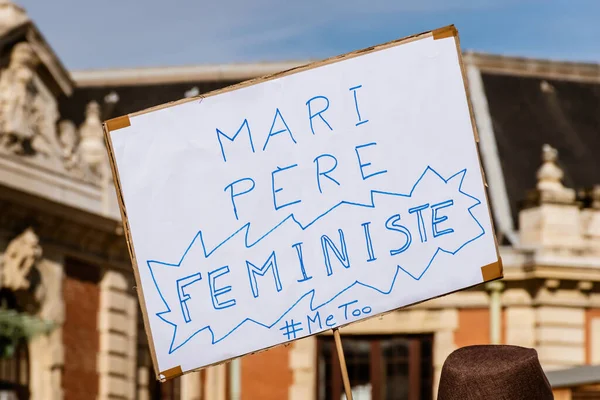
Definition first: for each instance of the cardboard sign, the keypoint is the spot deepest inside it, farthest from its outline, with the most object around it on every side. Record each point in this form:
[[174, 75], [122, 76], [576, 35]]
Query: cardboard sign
[[308, 200]]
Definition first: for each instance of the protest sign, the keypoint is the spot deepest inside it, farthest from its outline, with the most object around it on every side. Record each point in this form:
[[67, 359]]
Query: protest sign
[[301, 202]]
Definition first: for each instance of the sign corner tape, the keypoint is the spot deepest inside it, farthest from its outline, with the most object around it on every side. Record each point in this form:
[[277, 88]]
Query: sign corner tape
[[445, 32], [118, 123], [492, 271], [170, 373]]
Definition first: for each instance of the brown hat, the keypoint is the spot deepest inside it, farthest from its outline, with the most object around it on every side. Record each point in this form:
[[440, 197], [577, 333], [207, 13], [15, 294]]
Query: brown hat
[[493, 372]]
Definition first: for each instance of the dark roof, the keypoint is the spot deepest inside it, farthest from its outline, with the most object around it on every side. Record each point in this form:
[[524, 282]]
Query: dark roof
[[528, 112], [132, 98], [584, 375]]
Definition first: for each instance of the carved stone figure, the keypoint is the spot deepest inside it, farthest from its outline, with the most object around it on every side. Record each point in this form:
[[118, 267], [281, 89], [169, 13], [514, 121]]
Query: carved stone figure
[[21, 256], [17, 92], [67, 138], [27, 112], [37, 285], [92, 139]]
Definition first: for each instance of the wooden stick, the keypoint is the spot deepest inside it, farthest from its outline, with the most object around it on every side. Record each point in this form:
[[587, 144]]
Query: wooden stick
[[340, 352]]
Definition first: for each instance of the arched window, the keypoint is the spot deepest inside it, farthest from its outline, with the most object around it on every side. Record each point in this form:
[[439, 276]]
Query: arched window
[[14, 352], [169, 390], [395, 367], [14, 371]]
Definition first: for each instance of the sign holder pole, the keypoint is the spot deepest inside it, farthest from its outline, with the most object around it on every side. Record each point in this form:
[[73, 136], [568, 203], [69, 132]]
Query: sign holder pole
[[340, 353]]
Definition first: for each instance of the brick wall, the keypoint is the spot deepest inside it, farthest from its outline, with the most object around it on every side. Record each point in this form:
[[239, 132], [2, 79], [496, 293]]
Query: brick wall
[[592, 339], [80, 333], [266, 375], [474, 327]]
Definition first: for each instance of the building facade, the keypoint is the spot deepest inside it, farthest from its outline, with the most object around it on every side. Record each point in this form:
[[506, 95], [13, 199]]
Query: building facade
[[70, 324]]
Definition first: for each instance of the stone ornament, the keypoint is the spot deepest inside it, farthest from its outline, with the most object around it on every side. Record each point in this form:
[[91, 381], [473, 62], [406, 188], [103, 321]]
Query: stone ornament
[[26, 118], [91, 144], [11, 15], [550, 176], [22, 254], [28, 123], [68, 139], [17, 92]]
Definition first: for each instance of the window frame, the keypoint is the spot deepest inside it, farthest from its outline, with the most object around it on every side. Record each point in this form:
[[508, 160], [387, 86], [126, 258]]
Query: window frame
[[376, 357]]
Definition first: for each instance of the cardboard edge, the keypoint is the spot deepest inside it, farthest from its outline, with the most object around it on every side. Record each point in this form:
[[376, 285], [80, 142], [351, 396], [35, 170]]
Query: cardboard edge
[[476, 137], [492, 271], [466, 85], [118, 123], [281, 74], [127, 232]]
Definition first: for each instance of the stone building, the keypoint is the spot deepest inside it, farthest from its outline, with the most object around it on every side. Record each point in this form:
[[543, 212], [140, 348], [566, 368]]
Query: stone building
[[70, 325]]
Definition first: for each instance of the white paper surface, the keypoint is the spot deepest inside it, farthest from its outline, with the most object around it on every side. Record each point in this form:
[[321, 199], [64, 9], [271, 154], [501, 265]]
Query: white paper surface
[[375, 202]]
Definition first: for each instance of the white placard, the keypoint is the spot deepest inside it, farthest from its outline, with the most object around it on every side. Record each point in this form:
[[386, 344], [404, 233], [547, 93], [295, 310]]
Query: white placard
[[305, 202]]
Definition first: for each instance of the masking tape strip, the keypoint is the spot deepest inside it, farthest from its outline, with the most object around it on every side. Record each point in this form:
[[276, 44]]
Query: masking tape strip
[[118, 123], [171, 373], [492, 271], [445, 32]]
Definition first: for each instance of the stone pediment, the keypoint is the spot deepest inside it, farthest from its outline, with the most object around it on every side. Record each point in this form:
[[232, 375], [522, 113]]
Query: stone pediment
[[15, 26], [11, 16], [38, 148]]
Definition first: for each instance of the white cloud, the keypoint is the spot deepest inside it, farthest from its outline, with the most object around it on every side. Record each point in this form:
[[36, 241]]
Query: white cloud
[[242, 28], [92, 34]]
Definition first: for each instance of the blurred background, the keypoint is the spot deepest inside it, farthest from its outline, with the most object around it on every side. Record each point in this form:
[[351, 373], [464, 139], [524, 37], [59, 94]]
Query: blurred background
[[70, 323]]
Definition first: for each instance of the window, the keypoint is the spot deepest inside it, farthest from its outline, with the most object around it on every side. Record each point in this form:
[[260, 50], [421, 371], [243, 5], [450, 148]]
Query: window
[[169, 390], [14, 352], [379, 368], [14, 373], [586, 393]]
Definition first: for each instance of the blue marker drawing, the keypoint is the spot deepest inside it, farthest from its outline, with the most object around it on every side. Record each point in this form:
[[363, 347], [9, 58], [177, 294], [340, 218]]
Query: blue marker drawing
[[414, 273], [392, 224], [275, 191], [340, 253], [435, 220], [291, 328], [312, 115], [183, 296], [360, 120], [298, 247], [370, 250], [233, 194], [362, 165], [216, 292], [253, 270], [232, 139], [324, 173], [279, 131], [419, 212]]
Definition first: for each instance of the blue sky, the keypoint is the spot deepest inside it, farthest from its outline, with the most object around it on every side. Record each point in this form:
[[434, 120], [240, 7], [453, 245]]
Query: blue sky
[[138, 33]]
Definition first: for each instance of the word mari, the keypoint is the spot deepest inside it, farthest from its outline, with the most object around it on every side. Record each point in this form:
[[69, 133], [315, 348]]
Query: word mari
[[316, 107]]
